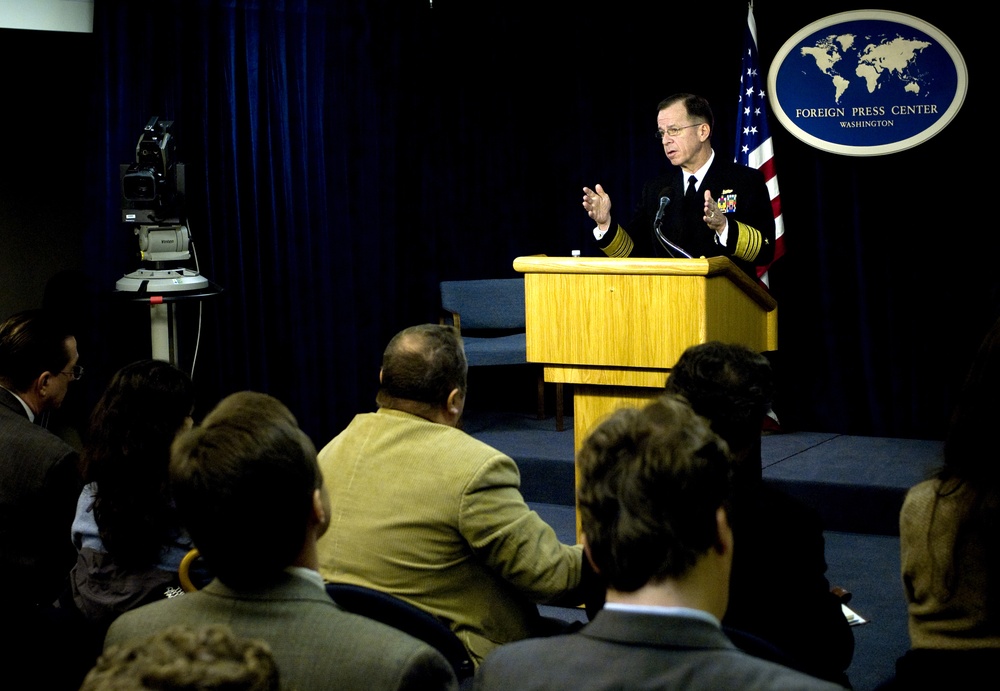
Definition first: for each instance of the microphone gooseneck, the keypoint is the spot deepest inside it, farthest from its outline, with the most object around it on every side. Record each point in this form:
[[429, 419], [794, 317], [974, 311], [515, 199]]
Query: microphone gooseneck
[[672, 249]]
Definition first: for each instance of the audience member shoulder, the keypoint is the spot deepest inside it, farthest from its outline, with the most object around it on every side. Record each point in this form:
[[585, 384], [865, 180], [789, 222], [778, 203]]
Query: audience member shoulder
[[923, 491], [418, 665]]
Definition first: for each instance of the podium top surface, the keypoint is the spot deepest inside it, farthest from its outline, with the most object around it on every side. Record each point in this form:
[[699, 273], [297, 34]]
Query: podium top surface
[[706, 267]]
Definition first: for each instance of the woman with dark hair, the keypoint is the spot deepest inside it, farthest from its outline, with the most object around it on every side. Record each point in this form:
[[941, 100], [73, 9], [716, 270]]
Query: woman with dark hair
[[126, 532], [950, 542]]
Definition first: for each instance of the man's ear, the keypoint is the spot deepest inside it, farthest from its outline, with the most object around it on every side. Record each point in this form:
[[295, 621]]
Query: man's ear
[[455, 402], [380, 375], [40, 389], [320, 509], [586, 552]]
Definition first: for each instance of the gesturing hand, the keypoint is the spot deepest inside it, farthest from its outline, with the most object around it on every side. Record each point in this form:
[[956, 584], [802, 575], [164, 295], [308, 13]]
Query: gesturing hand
[[597, 204], [715, 219]]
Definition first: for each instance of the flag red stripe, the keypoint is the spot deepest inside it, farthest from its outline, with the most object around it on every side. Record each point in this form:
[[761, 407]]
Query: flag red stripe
[[767, 168]]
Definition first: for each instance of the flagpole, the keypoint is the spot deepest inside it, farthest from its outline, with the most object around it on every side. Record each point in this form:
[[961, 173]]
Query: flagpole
[[754, 146]]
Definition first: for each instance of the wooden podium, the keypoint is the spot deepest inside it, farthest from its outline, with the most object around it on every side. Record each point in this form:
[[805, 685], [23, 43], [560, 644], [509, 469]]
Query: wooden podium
[[613, 328]]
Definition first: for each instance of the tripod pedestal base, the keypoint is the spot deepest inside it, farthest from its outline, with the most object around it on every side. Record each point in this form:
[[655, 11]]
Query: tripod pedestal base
[[163, 290]]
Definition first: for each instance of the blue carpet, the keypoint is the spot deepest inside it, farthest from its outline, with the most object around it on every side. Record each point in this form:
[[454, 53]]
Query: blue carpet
[[856, 483]]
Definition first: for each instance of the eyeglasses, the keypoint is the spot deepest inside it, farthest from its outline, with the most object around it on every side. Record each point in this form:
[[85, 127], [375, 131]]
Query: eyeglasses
[[75, 372], [674, 131]]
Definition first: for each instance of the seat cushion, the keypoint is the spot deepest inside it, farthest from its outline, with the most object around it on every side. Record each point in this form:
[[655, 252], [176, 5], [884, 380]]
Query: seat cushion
[[502, 350]]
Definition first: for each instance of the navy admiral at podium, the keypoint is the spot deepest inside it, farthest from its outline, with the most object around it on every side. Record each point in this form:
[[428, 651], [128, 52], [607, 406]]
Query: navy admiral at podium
[[706, 206]]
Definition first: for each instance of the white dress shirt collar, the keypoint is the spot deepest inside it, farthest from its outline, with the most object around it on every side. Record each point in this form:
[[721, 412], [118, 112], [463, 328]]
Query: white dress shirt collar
[[664, 611]]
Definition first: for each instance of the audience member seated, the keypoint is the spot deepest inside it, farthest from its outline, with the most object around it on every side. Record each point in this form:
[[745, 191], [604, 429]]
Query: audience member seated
[[653, 493], [183, 658], [128, 538], [949, 530], [39, 476], [779, 592], [433, 516], [251, 495]]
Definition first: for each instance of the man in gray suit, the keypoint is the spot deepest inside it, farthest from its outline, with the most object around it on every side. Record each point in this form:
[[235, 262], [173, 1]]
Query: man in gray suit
[[40, 479], [653, 493], [249, 490], [778, 591]]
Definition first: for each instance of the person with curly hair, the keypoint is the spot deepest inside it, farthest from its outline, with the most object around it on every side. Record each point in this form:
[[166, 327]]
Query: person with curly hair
[[185, 657]]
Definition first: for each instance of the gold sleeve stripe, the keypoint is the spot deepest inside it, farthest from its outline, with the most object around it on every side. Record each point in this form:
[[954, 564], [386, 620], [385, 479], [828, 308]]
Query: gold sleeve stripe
[[621, 246], [748, 242]]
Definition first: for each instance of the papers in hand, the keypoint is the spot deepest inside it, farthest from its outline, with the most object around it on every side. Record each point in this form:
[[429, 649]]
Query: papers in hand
[[853, 618]]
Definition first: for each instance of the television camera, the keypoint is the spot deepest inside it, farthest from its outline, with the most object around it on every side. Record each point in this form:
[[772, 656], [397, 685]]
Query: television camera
[[152, 201]]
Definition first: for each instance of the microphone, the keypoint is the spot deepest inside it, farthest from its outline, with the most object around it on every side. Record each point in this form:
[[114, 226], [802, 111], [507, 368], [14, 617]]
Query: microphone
[[664, 200], [670, 247]]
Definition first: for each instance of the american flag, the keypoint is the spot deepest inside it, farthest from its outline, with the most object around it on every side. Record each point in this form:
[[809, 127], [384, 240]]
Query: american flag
[[754, 146]]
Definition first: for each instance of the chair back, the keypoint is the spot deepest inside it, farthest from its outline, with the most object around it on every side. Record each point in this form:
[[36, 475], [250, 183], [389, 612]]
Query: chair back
[[370, 603], [408, 618], [496, 303], [490, 315]]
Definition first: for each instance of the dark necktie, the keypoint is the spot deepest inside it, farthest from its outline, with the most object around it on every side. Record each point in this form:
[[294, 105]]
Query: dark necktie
[[689, 196]]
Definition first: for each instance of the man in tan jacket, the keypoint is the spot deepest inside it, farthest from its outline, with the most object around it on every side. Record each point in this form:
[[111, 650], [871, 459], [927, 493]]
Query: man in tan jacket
[[429, 514]]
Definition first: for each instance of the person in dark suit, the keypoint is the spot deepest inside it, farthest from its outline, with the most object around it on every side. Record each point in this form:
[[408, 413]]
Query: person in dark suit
[[715, 207], [779, 593], [39, 477], [250, 493], [653, 494], [39, 480]]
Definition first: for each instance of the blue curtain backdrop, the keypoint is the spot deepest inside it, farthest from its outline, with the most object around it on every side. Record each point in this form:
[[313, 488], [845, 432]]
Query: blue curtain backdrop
[[343, 157]]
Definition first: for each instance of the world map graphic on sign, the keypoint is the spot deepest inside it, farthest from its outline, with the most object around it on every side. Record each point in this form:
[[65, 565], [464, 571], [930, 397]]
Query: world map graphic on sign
[[881, 63]]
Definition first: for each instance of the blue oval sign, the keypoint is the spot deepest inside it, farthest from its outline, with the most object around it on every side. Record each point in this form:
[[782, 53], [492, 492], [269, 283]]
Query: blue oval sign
[[867, 82]]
